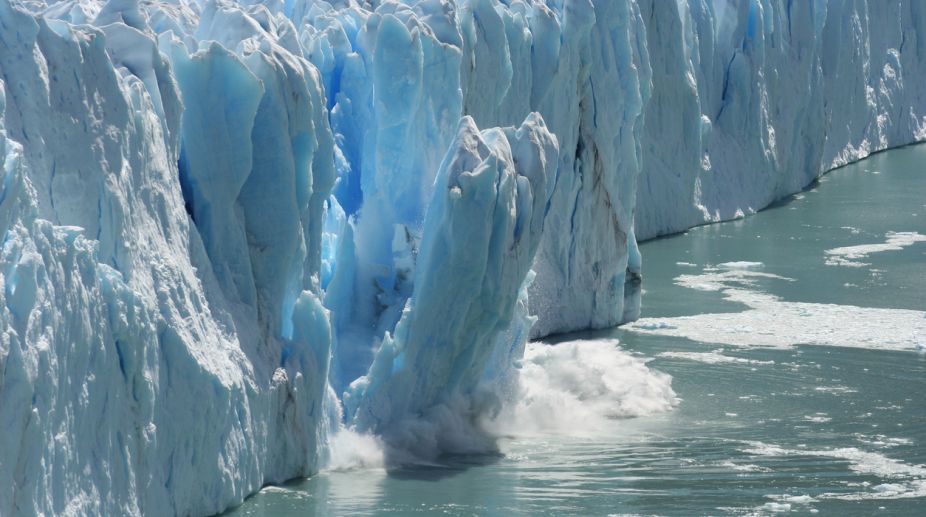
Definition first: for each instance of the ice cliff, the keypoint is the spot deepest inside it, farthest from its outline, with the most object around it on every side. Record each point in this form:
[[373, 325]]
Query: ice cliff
[[230, 229], [753, 100]]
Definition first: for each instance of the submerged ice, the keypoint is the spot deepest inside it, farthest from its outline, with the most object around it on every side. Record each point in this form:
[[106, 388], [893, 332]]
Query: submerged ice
[[239, 235]]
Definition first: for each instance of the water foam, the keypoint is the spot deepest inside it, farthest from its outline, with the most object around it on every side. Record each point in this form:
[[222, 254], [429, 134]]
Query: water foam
[[350, 450], [580, 387]]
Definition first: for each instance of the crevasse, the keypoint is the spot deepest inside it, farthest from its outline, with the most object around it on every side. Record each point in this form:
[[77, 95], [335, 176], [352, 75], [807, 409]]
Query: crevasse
[[230, 229]]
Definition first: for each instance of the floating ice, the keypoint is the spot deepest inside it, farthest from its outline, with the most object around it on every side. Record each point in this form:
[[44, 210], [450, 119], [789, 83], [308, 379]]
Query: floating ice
[[655, 325], [772, 322], [906, 480], [795, 499], [714, 357], [740, 265], [777, 507], [852, 255]]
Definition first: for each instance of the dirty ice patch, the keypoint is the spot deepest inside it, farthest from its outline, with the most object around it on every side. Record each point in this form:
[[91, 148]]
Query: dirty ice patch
[[853, 256], [771, 322]]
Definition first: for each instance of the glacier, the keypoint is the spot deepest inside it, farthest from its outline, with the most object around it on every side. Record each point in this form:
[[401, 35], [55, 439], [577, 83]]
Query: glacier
[[233, 230]]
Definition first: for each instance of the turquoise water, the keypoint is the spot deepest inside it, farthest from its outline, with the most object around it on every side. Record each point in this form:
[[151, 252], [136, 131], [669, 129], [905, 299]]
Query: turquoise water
[[770, 427]]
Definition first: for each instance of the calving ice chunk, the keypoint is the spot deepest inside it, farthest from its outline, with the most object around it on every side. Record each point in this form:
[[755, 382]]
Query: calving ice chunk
[[481, 232], [231, 229]]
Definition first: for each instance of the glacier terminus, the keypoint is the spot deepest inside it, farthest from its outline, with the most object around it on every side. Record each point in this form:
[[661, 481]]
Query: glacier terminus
[[232, 230]]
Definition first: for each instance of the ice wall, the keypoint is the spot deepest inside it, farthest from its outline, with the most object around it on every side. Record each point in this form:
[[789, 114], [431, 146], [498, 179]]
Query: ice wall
[[130, 383], [753, 100], [231, 228]]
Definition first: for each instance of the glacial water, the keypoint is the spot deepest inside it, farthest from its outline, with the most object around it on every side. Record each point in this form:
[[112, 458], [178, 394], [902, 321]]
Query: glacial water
[[796, 342]]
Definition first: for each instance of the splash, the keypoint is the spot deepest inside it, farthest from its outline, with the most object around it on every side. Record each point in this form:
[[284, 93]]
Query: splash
[[575, 388], [350, 450], [580, 387]]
